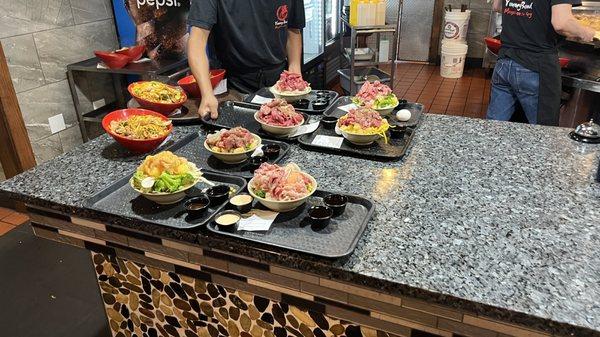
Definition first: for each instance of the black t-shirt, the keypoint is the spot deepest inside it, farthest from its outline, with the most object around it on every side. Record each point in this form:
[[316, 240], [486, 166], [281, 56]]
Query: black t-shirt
[[248, 35], [527, 25]]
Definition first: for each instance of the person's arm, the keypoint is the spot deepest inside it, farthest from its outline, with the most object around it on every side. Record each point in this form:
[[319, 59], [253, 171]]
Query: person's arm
[[565, 24], [198, 61], [497, 6], [294, 51]]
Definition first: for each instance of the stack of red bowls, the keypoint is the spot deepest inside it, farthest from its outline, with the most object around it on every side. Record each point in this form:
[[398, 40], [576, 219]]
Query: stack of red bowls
[[191, 87], [122, 57]]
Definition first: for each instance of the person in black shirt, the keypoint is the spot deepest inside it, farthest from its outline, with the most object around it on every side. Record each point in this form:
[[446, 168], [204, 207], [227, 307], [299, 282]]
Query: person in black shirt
[[528, 69], [252, 40]]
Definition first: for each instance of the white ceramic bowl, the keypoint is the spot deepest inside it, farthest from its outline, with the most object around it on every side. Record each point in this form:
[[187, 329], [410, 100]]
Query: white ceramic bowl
[[282, 206], [361, 140], [288, 96], [165, 198], [387, 111], [234, 158], [277, 130]]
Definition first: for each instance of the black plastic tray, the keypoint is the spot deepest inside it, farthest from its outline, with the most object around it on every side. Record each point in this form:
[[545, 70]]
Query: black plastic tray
[[416, 110], [395, 149], [232, 114], [192, 148], [312, 96], [122, 200], [293, 231]]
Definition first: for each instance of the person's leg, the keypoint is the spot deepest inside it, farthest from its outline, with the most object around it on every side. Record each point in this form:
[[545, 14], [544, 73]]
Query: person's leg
[[527, 88], [502, 98]]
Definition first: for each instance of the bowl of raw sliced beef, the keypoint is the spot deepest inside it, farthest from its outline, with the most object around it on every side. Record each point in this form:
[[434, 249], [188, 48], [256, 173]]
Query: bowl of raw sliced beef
[[291, 87], [279, 118]]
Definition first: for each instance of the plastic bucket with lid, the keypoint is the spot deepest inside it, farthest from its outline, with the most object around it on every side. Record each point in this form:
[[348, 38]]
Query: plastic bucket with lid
[[456, 25], [453, 59]]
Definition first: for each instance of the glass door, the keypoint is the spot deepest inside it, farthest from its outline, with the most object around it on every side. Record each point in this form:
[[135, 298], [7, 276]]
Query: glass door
[[313, 32], [332, 20]]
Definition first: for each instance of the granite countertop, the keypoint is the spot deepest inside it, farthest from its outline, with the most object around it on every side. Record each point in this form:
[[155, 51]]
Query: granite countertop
[[498, 218]]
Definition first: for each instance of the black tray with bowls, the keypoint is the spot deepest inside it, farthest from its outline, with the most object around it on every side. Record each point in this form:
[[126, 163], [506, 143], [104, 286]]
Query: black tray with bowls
[[295, 231], [309, 106], [416, 110], [232, 114], [122, 200], [192, 148], [394, 149]]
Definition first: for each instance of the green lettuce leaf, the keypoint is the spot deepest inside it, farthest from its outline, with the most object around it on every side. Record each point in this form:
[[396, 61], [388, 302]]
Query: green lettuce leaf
[[385, 102]]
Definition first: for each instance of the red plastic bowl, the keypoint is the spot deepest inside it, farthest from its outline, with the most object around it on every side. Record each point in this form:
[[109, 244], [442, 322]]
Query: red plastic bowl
[[189, 85], [163, 108], [493, 44], [112, 60], [137, 146], [564, 62], [134, 53]]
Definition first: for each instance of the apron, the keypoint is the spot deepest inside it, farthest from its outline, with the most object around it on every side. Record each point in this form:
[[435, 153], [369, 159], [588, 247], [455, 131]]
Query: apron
[[253, 80], [547, 66]]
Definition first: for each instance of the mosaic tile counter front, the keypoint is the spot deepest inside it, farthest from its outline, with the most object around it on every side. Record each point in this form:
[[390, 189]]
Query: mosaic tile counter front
[[167, 288]]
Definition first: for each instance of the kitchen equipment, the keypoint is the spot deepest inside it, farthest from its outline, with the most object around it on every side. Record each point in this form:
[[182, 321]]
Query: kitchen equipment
[[588, 132]]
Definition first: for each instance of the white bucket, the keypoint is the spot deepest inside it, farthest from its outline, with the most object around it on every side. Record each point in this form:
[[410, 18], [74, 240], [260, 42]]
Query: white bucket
[[456, 25], [453, 58]]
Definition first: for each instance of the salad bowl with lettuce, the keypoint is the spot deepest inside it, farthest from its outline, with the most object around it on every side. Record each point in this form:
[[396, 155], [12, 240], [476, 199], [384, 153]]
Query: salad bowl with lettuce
[[164, 178], [377, 96]]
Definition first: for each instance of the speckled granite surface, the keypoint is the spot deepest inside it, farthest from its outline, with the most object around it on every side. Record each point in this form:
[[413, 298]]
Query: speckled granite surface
[[499, 218]]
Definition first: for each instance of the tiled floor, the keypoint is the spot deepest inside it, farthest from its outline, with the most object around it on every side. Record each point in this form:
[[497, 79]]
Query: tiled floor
[[10, 219], [467, 96]]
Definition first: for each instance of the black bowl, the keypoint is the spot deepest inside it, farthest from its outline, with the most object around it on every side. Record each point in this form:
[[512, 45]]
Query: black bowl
[[320, 216], [397, 132], [301, 104], [197, 205], [320, 104], [218, 194], [322, 94], [255, 162], [231, 227], [337, 203], [329, 122], [242, 208], [271, 151]]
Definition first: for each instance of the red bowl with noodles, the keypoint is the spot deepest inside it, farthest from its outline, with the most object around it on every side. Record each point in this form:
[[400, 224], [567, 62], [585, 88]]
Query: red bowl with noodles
[[135, 145], [163, 108]]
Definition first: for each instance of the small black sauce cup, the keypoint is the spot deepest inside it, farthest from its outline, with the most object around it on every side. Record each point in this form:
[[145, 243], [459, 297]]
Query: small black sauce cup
[[301, 104], [255, 162], [228, 228], [242, 208], [197, 205], [397, 132], [271, 151], [337, 203], [218, 194], [320, 216], [329, 122], [320, 104]]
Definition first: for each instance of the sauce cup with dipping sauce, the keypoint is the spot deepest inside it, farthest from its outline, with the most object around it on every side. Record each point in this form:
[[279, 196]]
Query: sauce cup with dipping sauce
[[337, 203], [218, 194], [320, 216], [320, 104], [397, 132], [242, 203], [271, 151], [227, 221], [255, 162], [329, 122], [301, 104], [197, 205]]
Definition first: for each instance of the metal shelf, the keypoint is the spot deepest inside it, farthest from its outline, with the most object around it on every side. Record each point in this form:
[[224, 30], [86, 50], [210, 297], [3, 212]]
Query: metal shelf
[[370, 29], [350, 58]]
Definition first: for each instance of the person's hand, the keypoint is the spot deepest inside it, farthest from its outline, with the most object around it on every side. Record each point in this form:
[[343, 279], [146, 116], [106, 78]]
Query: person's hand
[[588, 34], [209, 106]]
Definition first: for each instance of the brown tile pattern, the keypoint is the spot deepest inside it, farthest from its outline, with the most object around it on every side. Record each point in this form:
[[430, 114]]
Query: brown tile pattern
[[10, 219], [371, 311], [467, 96]]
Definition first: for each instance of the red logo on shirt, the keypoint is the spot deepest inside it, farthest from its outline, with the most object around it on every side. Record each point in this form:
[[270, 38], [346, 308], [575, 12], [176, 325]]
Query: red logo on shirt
[[282, 13]]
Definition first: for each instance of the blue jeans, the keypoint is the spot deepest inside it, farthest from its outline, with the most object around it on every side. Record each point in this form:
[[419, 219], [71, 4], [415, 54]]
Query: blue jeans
[[511, 82]]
